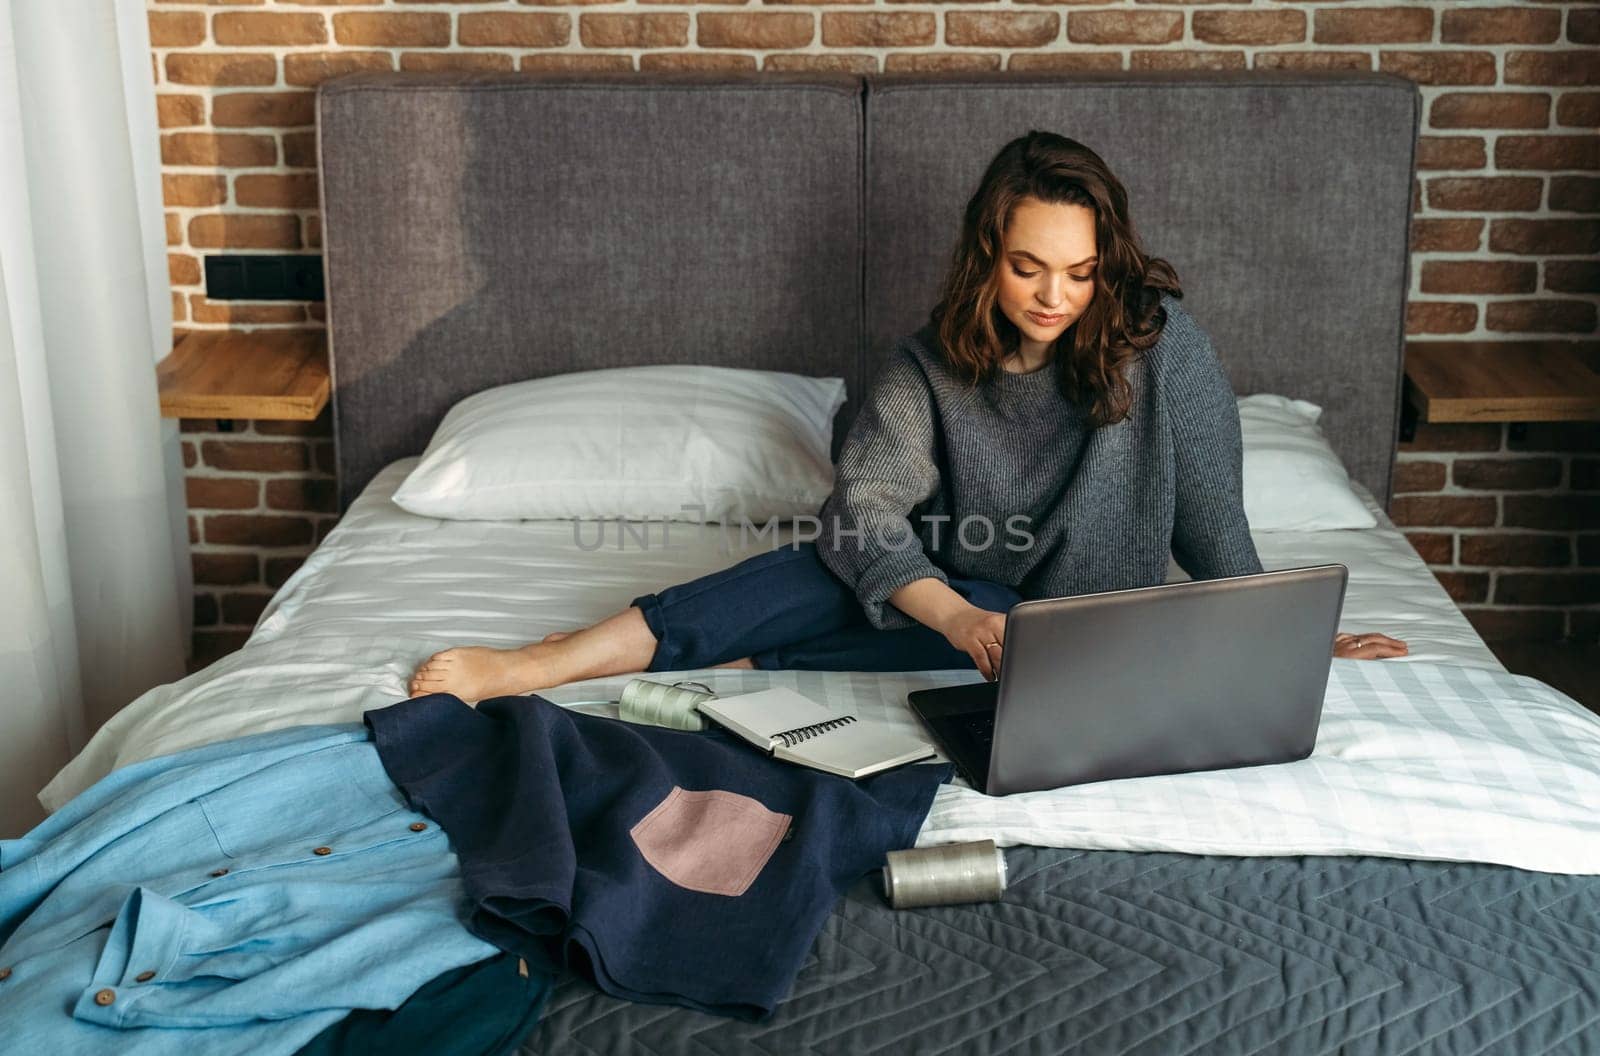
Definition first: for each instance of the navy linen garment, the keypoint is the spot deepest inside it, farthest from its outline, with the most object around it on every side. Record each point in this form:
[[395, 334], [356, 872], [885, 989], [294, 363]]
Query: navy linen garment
[[671, 867]]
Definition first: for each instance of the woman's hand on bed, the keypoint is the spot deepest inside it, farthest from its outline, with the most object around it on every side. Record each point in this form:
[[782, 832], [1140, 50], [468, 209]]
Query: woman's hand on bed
[[980, 634], [1369, 645]]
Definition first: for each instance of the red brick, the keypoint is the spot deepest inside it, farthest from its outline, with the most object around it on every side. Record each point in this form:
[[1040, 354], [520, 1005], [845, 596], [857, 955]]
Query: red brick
[[205, 310], [1454, 436], [177, 29], [255, 456], [942, 60], [1373, 25], [1478, 276], [885, 30], [831, 63], [228, 149], [1451, 152], [194, 529], [1065, 60], [300, 150], [1583, 25], [183, 270], [660, 30], [1490, 110], [1440, 317], [1439, 510], [279, 569], [268, 29], [1418, 476], [1548, 152], [1485, 193], [1547, 588], [191, 190], [1575, 194], [1436, 548], [1500, 25], [1167, 59], [190, 456], [247, 529], [244, 608], [211, 646], [301, 493], [1541, 316], [312, 68], [1578, 109], [542, 61], [1516, 625], [1515, 549], [179, 111], [1545, 237], [409, 30], [1589, 550], [274, 191], [263, 109], [1552, 67], [1558, 436], [245, 231], [1572, 276], [1313, 60], [229, 569], [205, 610], [221, 493], [1554, 513], [1248, 27], [324, 526], [1464, 586], [1124, 27], [1450, 236], [983, 29], [455, 60], [1506, 474], [530, 30], [236, 68], [1440, 67]]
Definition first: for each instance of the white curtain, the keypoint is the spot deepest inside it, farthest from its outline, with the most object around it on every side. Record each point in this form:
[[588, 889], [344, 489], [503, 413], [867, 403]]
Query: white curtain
[[93, 538]]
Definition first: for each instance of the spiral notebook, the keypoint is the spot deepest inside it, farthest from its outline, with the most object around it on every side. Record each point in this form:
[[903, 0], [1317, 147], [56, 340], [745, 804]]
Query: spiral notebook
[[797, 729]]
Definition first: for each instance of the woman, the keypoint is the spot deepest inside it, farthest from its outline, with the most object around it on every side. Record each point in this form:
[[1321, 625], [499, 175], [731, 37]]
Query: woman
[[1060, 426]]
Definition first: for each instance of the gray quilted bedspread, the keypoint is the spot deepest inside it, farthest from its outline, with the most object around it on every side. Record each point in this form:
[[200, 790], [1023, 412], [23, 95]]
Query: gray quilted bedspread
[[1111, 952]]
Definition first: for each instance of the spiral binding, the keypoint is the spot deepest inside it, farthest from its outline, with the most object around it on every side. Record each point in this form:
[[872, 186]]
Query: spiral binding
[[801, 734]]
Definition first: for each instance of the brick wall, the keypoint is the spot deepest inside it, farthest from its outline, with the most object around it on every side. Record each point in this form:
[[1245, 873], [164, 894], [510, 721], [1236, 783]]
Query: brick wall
[[1504, 243]]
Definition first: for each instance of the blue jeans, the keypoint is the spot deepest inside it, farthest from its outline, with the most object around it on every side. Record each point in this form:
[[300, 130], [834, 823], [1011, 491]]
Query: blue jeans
[[786, 609]]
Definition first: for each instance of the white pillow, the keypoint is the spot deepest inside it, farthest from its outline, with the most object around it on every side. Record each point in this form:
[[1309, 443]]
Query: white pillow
[[1293, 481], [650, 442]]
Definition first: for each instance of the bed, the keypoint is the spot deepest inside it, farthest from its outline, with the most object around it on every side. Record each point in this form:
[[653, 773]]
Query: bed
[[799, 222]]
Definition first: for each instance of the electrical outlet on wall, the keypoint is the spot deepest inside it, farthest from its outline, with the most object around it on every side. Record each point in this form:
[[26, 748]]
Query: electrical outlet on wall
[[264, 277]]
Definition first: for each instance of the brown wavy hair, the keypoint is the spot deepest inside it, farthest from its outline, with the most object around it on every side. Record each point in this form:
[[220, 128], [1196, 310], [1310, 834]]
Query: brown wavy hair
[[1124, 316]]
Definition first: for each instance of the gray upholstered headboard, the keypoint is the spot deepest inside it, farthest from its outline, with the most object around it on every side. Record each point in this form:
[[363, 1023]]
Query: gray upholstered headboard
[[481, 229]]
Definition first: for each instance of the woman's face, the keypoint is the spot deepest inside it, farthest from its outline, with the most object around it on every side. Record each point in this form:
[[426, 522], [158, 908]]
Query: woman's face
[[1047, 267]]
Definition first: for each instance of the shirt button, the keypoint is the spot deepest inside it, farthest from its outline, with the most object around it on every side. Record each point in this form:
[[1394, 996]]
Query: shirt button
[[218, 872], [418, 826], [144, 977], [5, 973], [104, 997], [321, 850]]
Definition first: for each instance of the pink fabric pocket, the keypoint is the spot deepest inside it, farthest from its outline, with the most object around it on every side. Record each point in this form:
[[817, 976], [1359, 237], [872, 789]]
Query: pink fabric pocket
[[714, 842]]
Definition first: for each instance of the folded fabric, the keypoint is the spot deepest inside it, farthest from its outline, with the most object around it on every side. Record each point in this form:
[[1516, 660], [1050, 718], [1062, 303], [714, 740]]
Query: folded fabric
[[482, 1009], [670, 867], [251, 892]]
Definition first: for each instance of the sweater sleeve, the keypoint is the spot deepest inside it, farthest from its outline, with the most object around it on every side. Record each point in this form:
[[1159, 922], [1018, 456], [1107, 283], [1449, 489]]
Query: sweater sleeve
[[887, 465], [1210, 535]]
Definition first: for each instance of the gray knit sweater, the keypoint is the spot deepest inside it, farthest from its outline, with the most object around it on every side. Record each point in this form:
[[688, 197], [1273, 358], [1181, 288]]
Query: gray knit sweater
[[928, 464]]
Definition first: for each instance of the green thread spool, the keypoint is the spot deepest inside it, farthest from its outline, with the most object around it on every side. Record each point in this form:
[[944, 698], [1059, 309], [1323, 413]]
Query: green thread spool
[[659, 704]]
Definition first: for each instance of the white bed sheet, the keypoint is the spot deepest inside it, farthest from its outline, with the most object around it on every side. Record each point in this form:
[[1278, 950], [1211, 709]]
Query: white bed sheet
[[387, 588]]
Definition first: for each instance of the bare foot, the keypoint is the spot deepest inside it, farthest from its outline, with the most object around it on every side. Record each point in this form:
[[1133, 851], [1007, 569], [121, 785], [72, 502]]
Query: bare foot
[[475, 672]]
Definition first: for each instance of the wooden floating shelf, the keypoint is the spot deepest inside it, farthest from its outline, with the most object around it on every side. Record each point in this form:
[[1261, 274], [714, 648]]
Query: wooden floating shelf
[[279, 374], [1486, 381]]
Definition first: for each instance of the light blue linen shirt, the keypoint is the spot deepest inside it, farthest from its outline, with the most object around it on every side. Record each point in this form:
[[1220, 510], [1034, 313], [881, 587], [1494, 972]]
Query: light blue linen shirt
[[251, 892]]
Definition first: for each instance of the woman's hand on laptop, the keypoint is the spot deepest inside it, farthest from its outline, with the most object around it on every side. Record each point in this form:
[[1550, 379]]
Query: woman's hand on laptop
[[1369, 645], [980, 634]]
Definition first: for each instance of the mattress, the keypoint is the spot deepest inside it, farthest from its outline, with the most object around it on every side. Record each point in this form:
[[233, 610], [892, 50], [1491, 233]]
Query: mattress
[[1102, 951]]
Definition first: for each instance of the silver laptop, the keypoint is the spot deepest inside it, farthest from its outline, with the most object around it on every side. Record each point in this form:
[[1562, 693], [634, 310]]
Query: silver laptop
[[1197, 675]]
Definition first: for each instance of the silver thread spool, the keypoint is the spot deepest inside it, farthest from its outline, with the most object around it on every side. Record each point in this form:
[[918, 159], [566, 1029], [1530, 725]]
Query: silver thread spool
[[659, 704], [945, 875]]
